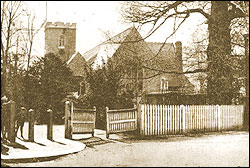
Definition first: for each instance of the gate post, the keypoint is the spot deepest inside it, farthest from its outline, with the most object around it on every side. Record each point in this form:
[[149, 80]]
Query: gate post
[[138, 118], [67, 121], [107, 123], [50, 125], [31, 125], [94, 121], [11, 132]]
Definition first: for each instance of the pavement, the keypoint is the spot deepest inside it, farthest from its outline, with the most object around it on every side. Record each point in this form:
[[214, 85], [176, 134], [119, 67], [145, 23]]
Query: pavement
[[224, 148], [221, 149], [42, 148]]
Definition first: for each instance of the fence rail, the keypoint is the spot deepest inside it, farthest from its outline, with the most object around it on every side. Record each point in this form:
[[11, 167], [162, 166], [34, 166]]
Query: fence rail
[[78, 120], [121, 120], [83, 121], [179, 119]]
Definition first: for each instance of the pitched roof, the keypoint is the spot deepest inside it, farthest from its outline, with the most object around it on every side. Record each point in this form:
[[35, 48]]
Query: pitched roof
[[103, 50], [155, 47], [76, 61], [108, 47], [166, 60], [164, 56]]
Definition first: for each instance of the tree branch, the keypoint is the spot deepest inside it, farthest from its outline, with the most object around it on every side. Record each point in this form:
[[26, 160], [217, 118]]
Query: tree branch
[[197, 10], [175, 72]]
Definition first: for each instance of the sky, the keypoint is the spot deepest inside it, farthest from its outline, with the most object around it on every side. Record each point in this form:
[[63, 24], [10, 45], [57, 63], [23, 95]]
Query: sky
[[95, 18]]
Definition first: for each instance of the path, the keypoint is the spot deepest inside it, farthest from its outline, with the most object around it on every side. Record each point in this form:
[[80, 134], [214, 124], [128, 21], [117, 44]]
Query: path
[[226, 149]]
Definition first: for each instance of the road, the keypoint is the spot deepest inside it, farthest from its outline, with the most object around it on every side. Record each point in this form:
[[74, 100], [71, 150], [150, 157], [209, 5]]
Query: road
[[230, 149]]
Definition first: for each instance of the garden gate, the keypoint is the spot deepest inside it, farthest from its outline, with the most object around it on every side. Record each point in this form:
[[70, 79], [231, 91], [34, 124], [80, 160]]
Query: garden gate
[[79, 121], [121, 120]]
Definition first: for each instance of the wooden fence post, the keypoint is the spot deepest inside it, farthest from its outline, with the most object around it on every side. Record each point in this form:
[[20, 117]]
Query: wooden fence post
[[94, 121], [219, 116], [183, 109], [70, 125], [107, 123], [141, 122], [50, 125], [11, 133], [136, 117], [139, 118], [67, 119], [31, 125]]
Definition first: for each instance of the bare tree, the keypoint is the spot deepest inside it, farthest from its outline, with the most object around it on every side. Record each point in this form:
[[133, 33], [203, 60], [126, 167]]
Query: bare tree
[[29, 31], [219, 16], [18, 30], [10, 11]]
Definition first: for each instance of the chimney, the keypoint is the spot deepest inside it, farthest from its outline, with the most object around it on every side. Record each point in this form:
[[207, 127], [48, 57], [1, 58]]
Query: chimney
[[178, 53]]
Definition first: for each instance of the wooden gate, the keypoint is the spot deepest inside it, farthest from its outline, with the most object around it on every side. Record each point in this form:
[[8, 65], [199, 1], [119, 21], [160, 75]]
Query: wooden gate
[[79, 121], [121, 120]]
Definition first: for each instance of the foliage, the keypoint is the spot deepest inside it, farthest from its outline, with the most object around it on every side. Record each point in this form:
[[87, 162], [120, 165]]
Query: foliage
[[220, 17], [106, 89], [17, 36], [46, 85], [106, 86]]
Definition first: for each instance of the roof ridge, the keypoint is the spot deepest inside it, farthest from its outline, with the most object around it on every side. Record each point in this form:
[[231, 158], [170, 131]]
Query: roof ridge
[[157, 42], [107, 41], [119, 34], [73, 56], [122, 32]]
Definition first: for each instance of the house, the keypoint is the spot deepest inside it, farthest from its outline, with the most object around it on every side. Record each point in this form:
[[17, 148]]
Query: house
[[167, 62], [164, 79], [120, 48], [152, 69], [159, 71]]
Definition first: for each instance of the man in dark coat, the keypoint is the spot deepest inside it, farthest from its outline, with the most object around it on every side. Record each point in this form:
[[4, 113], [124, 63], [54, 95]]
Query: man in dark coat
[[20, 119]]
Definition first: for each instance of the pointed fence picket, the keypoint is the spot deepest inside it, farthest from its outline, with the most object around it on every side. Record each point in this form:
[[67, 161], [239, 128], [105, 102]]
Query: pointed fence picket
[[179, 119]]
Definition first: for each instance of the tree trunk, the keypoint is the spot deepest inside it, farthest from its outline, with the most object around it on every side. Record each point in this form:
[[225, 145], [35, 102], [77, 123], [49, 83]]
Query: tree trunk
[[220, 77]]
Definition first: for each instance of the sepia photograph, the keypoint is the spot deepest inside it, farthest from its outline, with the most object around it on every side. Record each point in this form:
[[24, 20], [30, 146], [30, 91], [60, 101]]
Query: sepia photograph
[[124, 83]]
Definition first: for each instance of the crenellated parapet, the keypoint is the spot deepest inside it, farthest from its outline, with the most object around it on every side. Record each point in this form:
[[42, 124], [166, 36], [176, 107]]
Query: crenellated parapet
[[60, 25]]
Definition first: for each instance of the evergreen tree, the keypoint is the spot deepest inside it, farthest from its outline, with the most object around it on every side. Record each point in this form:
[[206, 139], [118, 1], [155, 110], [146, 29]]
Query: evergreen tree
[[47, 85]]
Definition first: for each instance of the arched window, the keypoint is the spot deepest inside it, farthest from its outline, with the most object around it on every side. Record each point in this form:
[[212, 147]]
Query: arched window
[[82, 88]]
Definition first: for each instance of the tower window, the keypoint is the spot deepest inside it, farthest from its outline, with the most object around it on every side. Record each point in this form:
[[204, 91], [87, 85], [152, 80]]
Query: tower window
[[61, 42]]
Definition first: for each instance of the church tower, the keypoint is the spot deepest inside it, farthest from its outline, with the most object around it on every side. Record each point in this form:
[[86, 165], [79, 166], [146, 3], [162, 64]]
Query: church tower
[[60, 38]]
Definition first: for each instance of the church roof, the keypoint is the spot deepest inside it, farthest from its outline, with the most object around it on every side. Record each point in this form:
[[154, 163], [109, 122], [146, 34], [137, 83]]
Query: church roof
[[76, 61], [166, 59], [164, 55], [108, 47]]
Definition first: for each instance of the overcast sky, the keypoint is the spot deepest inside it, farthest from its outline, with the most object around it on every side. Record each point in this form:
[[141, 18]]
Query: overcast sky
[[93, 18]]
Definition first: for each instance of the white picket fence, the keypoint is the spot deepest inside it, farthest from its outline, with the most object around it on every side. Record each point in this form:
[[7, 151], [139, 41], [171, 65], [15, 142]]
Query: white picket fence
[[179, 119]]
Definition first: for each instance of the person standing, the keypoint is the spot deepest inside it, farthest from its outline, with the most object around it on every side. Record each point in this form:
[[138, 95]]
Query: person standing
[[20, 120]]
